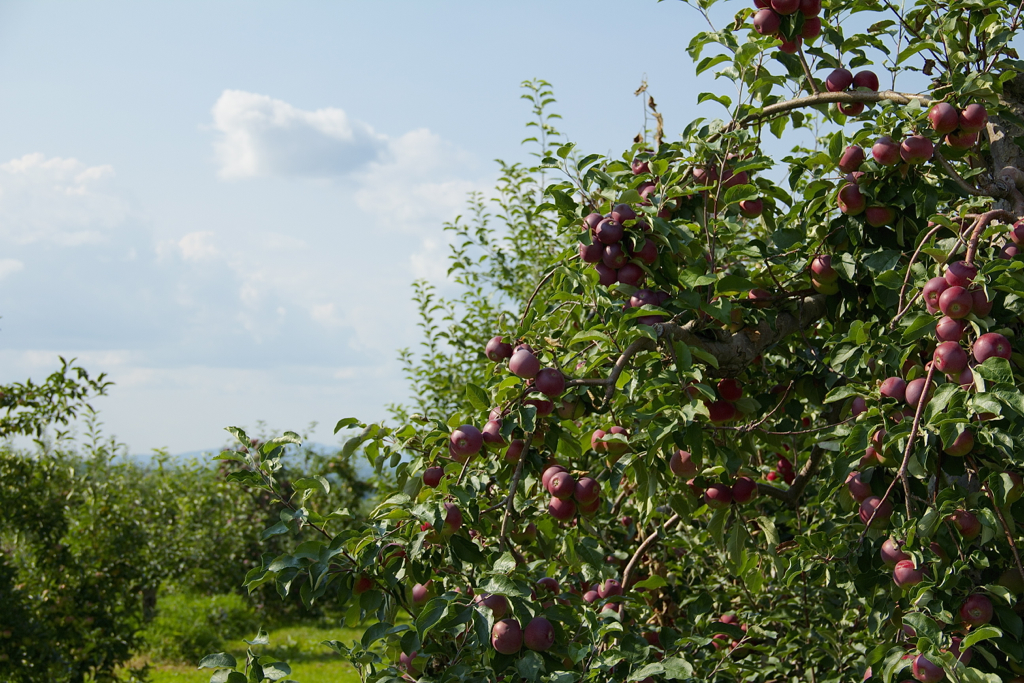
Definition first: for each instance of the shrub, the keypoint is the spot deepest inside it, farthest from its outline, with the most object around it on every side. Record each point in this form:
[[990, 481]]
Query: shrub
[[186, 626]]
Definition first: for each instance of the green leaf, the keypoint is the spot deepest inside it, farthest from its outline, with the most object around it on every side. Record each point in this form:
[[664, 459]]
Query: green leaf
[[276, 530], [505, 564], [217, 661], [430, 615], [996, 370], [980, 634], [477, 397], [677, 668], [277, 670], [839, 393], [732, 284], [346, 422], [654, 581], [655, 669], [317, 482], [739, 193], [261, 638], [467, 550]]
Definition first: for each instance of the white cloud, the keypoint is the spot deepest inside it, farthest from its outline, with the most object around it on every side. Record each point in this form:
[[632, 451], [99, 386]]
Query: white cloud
[[263, 136], [58, 201], [196, 246], [10, 266]]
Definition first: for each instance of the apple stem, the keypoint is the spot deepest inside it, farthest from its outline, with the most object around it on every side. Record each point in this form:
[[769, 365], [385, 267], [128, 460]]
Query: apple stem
[[901, 475], [647, 543], [979, 226], [807, 71], [906, 278], [510, 503]]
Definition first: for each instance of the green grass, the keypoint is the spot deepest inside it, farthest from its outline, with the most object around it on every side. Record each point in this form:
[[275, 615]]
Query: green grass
[[299, 646]]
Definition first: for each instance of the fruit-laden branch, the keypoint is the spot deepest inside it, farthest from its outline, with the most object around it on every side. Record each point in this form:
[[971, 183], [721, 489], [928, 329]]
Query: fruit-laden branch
[[733, 351], [979, 227]]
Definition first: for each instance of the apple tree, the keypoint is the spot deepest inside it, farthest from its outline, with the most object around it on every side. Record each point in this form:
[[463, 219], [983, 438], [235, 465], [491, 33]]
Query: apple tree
[[709, 411]]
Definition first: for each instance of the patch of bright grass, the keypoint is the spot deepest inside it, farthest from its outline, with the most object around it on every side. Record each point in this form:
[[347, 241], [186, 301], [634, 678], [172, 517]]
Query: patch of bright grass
[[299, 646]]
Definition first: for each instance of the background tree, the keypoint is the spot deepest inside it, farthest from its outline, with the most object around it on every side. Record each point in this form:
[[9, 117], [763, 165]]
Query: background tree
[[728, 427]]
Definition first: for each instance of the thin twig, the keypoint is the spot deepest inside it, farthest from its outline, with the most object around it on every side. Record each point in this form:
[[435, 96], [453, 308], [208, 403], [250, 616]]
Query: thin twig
[[807, 71], [906, 278], [535, 291], [647, 543], [510, 503], [979, 226]]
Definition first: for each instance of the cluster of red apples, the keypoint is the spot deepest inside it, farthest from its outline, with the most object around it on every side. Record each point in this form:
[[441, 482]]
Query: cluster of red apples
[[715, 496], [960, 129], [616, 253], [792, 21], [841, 80]]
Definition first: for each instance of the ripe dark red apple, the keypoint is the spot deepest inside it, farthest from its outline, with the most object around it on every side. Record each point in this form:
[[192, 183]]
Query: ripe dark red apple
[[992, 344], [931, 292], [492, 433], [767, 22], [646, 252], [858, 406], [717, 496], [539, 634], [498, 350], [587, 490], [1008, 252], [614, 256], [976, 610], [589, 253], [744, 490], [885, 151], [810, 8], [973, 118], [960, 274], [839, 80], [860, 490], [867, 80], [605, 276], [894, 387], [884, 512], [1017, 232], [640, 166], [851, 108], [785, 7], [956, 303], [811, 28], [592, 221], [524, 364], [791, 47], [962, 445], [916, 149], [630, 274], [432, 476], [562, 509], [821, 267], [682, 465], [981, 306], [608, 232], [730, 390], [549, 584], [944, 117], [622, 213], [915, 389], [850, 199], [362, 584], [853, 157], [561, 485], [879, 216], [949, 358], [498, 604], [721, 411], [550, 472], [507, 636], [550, 382], [960, 140], [543, 406], [452, 519], [948, 329], [751, 208], [966, 523], [514, 450], [927, 671], [892, 554], [609, 588], [905, 574], [760, 297], [466, 440]]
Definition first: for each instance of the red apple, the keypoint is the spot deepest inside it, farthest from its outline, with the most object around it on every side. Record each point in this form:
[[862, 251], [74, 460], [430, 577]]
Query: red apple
[[915, 389], [850, 199], [860, 490], [539, 634], [718, 496], [810, 8], [851, 108], [744, 489], [956, 303], [622, 213], [550, 382], [992, 344], [961, 140], [562, 510], [926, 671], [931, 292], [466, 440], [730, 390], [905, 574], [894, 387], [839, 80], [981, 306], [948, 329], [973, 118], [949, 358], [605, 276], [853, 157], [960, 273], [916, 149], [785, 7], [791, 47], [811, 28], [587, 490], [498, 350], [507, 636], [885, 151], [869, 507], [682, 465], [892, 554], [867, 80], [608, 232], [524, 364], [432, 476], [879, 216], [966, 523], [962, 444], [944, 117], [751, 208], [976, 610], [721, 411]]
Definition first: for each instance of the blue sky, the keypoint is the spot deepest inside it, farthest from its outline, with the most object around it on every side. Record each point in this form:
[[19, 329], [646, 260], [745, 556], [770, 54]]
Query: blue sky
[[222, 205]]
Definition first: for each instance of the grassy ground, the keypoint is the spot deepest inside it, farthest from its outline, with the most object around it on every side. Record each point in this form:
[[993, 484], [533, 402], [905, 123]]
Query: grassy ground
[[299, 646]]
